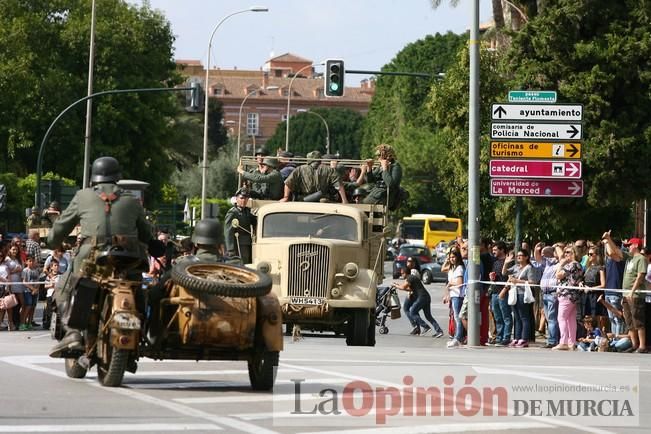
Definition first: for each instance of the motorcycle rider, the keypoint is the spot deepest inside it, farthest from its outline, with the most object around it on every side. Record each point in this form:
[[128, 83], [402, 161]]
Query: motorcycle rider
[[108, 216]]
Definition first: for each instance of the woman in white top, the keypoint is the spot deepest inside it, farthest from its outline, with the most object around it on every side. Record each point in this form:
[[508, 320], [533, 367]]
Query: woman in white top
[[456, 269], [4, 290]]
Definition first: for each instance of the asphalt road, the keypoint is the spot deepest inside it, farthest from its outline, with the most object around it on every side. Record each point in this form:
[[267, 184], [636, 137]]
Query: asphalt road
[[175, 396]]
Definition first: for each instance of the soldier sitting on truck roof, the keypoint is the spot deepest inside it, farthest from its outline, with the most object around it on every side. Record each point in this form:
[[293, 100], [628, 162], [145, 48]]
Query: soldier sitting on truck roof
[[266, 181], [310, 182]]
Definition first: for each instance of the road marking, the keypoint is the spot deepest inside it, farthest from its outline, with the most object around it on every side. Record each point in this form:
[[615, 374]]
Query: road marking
[[130, 393], [441, 428], [131, 427], [246, 398]]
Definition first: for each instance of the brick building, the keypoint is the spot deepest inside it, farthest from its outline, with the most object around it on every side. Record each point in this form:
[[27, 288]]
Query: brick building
[[265, 93]]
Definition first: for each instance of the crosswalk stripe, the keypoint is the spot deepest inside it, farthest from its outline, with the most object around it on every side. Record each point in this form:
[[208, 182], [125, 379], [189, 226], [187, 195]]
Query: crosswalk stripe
[[155, 427]]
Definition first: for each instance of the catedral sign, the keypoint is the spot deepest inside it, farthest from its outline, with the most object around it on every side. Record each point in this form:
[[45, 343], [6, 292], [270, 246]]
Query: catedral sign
[[535, 169]]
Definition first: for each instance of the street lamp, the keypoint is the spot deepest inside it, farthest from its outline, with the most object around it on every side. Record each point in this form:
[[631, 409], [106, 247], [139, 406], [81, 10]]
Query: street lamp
[[324, 123], [289, 97], [239, 119], [204, 163]]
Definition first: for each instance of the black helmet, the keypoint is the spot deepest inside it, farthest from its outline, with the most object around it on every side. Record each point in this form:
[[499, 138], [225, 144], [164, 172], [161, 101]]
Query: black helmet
[[207, 231], [359, 192], [105, 169]]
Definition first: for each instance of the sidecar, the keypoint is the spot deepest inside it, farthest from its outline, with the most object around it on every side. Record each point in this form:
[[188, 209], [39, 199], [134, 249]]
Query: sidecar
[[217, 311]]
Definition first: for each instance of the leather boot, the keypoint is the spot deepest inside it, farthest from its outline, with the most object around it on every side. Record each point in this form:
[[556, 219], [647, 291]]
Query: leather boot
[[72, 345]]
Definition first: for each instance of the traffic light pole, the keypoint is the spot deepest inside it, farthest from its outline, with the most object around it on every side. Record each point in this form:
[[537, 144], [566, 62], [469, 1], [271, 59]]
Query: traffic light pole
[[39, 161], [405, 74]]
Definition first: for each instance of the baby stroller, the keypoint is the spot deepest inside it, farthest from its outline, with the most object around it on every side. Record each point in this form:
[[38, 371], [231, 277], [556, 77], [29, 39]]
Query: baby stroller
[[386, 303]]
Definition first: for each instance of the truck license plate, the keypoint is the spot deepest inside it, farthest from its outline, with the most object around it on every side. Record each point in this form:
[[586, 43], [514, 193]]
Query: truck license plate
[[307, 300]]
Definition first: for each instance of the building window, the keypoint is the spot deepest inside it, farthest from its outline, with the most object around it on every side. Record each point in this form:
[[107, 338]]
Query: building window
[[252, 124], [218, 91], [285, 91], [320, 93]]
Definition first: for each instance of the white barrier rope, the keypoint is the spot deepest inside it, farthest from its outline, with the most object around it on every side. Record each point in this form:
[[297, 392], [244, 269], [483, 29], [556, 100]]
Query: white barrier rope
[[580, 288]]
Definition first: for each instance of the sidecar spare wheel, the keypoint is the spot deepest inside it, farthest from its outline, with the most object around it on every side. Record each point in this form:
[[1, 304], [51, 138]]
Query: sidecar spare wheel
[[221, 279]]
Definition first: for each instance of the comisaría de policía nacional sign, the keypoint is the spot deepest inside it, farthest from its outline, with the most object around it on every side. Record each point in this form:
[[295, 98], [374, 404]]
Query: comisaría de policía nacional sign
[[536, 131]]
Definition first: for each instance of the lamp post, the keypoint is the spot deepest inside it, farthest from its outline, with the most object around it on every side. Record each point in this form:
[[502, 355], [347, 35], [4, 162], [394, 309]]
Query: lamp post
[[239, 119], [324, 123], [289, 97], [204, 162]]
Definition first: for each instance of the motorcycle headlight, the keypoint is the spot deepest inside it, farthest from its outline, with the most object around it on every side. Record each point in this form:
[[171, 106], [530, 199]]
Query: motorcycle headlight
[[351, 270]]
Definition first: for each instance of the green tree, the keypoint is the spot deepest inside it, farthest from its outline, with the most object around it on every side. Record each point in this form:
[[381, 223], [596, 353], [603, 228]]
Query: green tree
[[44, 64], [307, 133], [600, 59]]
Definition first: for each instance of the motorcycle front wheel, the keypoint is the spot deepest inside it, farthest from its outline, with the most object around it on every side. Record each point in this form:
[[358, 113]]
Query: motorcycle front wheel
[[111, 362]]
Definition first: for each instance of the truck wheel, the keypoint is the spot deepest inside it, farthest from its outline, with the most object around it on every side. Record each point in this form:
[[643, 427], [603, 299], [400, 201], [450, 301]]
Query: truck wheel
[[74, 369], [262, 370], [221, 279], [357, 334], [427, 277]]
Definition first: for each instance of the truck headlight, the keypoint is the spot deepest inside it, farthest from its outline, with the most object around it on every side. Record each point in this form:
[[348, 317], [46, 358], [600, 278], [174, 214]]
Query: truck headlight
[[351, 270], [264, 267]]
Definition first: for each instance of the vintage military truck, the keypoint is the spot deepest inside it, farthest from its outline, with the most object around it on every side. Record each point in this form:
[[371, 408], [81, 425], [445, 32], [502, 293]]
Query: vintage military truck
[[325, 261]]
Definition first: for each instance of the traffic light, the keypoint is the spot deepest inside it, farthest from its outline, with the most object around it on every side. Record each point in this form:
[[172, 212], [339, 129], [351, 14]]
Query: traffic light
[[334, 77], [3, 197], [195, 98]]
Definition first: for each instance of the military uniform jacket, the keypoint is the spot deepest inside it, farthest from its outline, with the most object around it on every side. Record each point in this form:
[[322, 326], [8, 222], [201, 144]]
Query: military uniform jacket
[[306, 180], [247, 221], [383, 179], [266, 186], [126, 218]]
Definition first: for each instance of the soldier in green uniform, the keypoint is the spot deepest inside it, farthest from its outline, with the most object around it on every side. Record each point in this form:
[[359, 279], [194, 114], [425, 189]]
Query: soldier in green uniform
[[207, 238], [266, 182], [239, 240], [383, 179], [106, 215], [312, 181]]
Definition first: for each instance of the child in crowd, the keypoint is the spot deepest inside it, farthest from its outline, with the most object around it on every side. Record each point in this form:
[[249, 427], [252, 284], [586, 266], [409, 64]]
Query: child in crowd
[[29, 274], [592, 337], [50, 282]]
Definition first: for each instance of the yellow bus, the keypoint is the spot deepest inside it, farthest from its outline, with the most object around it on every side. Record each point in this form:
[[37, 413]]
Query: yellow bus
[[430, 229]]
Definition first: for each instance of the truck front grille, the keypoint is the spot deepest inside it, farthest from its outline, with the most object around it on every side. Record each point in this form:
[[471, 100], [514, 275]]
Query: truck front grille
[[308, 270]]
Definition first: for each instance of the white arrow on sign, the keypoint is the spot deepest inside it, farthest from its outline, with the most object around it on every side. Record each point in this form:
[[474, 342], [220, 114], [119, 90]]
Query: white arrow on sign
[[536, 132], [572, 169], [575, 188]]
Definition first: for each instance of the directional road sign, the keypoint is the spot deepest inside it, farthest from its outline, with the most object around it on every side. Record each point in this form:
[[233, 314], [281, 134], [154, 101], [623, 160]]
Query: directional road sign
[[535, 169], [536, 150], [530, 131], [536, 188], [537, 112], [548, 96]]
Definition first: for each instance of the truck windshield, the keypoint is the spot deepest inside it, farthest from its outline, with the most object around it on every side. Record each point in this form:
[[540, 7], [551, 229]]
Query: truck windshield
[[290, 225]]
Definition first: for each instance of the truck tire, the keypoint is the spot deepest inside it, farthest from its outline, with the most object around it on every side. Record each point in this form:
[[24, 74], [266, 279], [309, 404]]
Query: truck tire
[[358, 332], [221, 279]]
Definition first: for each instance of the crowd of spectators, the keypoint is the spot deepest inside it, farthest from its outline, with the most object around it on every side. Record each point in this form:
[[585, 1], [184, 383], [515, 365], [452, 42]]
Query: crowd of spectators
[[582, 295]]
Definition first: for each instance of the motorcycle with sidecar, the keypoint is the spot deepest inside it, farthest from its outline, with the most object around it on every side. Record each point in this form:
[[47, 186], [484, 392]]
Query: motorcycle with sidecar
[[203, 311]]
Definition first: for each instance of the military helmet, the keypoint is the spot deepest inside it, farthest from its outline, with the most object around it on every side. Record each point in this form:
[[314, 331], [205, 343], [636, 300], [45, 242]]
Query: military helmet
[[54, 205], [261, 151], [207, 231], [360, 192], [105, 169], [314, 155], [268, 161]]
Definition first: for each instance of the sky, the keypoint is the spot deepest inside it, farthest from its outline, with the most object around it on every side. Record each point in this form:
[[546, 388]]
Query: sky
[[367, 34]]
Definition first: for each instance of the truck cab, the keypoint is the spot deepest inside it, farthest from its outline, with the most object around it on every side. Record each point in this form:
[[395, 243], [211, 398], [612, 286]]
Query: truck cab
[[325, 261]]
